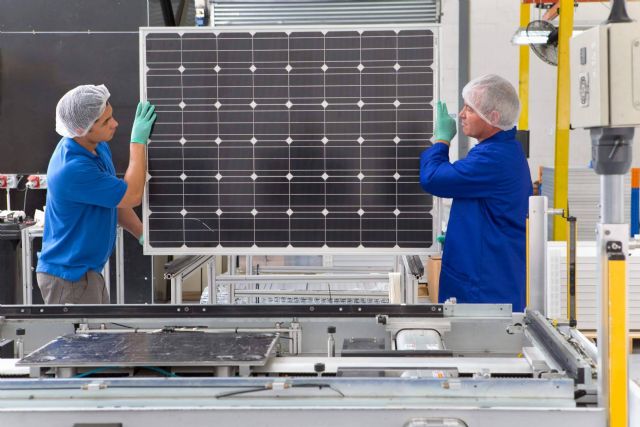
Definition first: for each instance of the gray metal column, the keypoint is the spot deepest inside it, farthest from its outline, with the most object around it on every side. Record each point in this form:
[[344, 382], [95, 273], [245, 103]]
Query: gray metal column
[[612, 199], [119, 266], [464, 46], [211, 281], [538, 206], [176, 289], [27, 284]]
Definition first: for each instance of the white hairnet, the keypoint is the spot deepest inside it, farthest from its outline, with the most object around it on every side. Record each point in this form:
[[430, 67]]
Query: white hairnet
[[494, 99], [79, 108]]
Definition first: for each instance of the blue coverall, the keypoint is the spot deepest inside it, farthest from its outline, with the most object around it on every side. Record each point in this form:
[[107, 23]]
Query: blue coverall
[[484, 250]]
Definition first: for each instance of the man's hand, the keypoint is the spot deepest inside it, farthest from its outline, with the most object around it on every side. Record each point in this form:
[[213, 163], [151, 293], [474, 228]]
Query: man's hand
[[445, 126], [145, 116]]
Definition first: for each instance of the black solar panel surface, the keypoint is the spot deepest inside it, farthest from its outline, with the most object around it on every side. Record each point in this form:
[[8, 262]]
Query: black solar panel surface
[[309, 139]]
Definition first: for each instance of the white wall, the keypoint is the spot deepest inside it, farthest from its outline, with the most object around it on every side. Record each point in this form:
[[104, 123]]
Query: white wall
[[493, 23]]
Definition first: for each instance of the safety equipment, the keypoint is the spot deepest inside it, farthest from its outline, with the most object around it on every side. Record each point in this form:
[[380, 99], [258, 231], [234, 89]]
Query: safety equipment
[[494, 99], [79, 109], [445, 126], [143, 122]]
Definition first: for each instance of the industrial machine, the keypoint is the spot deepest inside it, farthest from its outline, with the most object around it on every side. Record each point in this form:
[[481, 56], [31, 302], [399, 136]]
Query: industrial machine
[[435, 365]]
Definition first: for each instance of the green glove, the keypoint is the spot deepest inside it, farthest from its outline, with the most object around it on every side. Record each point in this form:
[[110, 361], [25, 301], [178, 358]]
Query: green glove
[[141, 239], [145, 116], [445, 126]]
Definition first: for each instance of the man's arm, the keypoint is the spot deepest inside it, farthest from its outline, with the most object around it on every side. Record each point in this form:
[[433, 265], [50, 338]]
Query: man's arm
[[480, 174], [128, 220], [134, 177], [137, 169]]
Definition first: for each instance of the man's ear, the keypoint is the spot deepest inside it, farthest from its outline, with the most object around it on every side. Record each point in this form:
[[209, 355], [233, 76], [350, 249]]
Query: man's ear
[[494, 117]]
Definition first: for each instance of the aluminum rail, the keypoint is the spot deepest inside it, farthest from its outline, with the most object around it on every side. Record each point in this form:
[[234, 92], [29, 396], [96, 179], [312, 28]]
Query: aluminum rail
[[315, 270], [272, 278], [178, 270], [563, 353]]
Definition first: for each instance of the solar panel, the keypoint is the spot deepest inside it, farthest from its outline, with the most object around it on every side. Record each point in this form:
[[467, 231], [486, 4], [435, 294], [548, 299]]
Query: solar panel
[[299, 141]]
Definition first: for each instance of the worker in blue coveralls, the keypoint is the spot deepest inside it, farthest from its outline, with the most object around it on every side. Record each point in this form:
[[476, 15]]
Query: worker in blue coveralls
[[484, 250], [85, 199]]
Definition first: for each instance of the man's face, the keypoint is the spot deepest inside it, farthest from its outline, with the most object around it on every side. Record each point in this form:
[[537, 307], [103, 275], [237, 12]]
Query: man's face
[[104, 128], [472, 124]]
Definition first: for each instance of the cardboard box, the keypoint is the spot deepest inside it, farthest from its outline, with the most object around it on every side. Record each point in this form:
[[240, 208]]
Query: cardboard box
[[433, 266]]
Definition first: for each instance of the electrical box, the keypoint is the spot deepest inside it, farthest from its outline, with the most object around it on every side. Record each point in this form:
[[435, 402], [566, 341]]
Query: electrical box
[[36, 182], [8, 181], [605, 76]]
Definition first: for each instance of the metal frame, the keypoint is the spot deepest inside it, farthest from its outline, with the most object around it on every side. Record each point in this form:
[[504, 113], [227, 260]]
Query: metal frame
[[566, 356], [309, 294], [119, 265], [302, 278], [302, 275], [479, 397], [27, 235], [149, 250], [178, 277], [307, 412], [537, 254]]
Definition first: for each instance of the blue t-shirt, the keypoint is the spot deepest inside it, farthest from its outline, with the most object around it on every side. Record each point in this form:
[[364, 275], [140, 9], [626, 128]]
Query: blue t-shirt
[[484, 259], [81, 214]]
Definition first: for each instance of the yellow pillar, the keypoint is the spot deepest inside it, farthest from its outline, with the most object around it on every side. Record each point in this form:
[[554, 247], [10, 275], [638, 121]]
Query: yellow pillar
[[523, 95], [618, 350], [523, 75], [563, 104]]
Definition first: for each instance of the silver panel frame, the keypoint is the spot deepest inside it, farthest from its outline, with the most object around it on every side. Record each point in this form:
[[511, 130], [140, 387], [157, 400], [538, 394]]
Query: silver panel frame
[[435, 211]]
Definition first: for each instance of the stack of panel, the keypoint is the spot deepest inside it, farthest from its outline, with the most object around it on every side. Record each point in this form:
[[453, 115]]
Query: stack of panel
[[584, 198], [587, 280]]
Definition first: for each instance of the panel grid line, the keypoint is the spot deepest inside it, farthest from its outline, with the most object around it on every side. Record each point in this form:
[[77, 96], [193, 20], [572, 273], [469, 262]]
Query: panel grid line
[[396, 145], [324, 113], [253, 143], [289, 138], [218, 141], [360, 126], [184, 237]]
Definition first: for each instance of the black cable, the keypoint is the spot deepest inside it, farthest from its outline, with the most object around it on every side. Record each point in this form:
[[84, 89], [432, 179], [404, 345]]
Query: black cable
[[235, 393], [122, 326], [270, 387], [24, 204]]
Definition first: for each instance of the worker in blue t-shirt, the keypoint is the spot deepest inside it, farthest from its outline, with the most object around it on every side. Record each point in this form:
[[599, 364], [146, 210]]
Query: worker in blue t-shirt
[[85, 199], [484, 250]]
